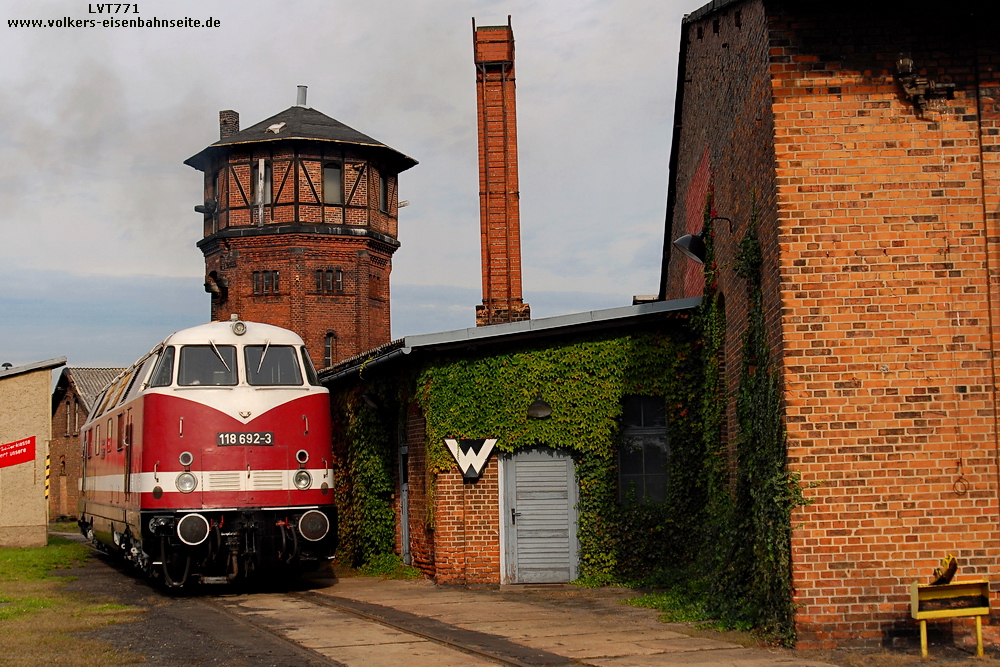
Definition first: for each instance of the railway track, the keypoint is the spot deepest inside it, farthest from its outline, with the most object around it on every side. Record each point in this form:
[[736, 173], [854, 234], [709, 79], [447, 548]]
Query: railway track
[[349, 633]]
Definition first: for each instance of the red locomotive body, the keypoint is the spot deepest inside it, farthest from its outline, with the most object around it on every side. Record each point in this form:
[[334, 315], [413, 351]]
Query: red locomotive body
[[209, 459]]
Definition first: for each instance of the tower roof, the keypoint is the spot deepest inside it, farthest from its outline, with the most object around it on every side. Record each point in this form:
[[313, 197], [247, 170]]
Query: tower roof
[[301, 123]]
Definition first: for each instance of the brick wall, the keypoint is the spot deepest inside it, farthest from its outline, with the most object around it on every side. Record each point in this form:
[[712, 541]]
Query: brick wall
[[467, 527], [880, 230], [886, 321], [64, 456], [355, 311], [726, 149], [462, 546]]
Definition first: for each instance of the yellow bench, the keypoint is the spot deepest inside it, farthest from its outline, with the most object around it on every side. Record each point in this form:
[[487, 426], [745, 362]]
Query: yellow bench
[[954, 600]]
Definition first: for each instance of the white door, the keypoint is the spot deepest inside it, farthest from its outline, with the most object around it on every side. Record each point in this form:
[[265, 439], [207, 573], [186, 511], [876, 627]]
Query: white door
[[539, 517]]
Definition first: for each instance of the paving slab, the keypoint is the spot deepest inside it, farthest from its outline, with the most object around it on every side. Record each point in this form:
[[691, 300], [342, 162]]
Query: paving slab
[[567, 624]]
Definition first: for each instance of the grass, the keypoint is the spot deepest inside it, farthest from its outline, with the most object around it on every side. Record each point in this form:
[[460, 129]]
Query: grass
[[389, 566], [674, 605], [39, 617]]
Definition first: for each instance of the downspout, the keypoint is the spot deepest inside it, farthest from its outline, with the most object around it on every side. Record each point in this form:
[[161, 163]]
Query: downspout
[[991, 323]]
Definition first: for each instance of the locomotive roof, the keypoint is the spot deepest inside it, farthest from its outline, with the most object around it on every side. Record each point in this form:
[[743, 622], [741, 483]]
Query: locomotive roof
[[222, 333]]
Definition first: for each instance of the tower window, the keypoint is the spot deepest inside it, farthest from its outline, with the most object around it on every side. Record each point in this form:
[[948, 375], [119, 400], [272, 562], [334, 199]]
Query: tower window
[[329, 349], [265, 282], [329, 281], [383, 193], [333, 183], [255, 178]]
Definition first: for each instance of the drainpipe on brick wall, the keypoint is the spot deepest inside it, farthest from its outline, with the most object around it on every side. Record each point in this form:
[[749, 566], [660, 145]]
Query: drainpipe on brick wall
[[986, 237]]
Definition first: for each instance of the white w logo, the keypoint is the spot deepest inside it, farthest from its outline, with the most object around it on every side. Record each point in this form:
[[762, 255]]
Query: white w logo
[[471, 455]]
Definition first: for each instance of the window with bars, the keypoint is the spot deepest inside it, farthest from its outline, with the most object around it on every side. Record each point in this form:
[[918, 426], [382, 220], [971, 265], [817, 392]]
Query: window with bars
[[265, 282], [644, 450], [329, 281]]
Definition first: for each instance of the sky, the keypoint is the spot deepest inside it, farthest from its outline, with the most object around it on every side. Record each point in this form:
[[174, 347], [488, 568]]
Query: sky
[[97, 227]]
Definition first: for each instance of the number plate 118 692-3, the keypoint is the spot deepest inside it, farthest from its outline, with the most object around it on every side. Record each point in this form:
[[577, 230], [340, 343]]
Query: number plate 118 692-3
[[265, 438]]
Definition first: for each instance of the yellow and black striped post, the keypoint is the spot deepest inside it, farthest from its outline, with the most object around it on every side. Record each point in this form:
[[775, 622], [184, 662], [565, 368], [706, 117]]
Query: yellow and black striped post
[[48, 469]]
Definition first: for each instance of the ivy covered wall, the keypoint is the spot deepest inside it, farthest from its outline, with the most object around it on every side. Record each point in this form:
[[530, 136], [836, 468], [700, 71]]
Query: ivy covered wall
[[583, 380], [726, 521]]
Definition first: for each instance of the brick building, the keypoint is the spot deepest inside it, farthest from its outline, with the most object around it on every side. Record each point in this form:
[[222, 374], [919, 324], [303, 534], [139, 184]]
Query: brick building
[[867, 137], [72, 399], [516, 521], [301, 216], [25, 431]]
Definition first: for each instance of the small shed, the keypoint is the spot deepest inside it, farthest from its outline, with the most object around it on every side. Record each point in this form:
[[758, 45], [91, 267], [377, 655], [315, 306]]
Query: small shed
[[478, 455]]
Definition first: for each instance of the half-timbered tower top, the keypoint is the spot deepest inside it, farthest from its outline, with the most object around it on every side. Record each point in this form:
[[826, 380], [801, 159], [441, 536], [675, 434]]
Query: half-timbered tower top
[[300, 223]]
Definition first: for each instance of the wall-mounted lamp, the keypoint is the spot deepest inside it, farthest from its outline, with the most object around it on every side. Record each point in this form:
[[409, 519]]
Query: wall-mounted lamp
[[919, 88], [692, 246], [367, 398], [539, 409]]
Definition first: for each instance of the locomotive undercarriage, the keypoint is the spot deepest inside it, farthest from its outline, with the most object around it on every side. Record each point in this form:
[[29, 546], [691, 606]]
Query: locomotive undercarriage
[[217, 547]]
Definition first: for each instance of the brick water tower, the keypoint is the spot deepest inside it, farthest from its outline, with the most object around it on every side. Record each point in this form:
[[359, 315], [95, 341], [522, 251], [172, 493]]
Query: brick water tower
[[301, 217]]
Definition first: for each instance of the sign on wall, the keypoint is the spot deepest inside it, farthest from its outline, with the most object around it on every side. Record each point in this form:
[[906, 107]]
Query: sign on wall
[[19, 451], [471, 455]]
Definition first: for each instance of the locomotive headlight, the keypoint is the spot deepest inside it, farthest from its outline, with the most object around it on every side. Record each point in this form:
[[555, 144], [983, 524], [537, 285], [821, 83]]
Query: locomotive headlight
[[186, 482], [302, 480]]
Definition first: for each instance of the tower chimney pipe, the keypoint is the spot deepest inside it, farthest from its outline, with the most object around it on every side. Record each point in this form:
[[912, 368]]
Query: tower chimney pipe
[[300, 99]]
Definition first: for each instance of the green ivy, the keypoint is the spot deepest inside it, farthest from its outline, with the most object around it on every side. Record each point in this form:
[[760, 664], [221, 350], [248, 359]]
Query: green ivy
[[750, 518], [583, 380], [364, 450]]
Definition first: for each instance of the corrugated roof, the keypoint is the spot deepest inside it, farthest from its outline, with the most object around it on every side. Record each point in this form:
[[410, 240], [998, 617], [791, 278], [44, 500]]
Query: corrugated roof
[[301, 123], [90, 381]]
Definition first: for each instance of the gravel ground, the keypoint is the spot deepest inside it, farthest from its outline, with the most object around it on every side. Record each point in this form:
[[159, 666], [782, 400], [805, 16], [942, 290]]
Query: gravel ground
[[181, 630]]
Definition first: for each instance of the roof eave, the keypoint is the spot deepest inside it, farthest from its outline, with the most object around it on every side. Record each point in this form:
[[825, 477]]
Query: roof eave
[[201, 160]]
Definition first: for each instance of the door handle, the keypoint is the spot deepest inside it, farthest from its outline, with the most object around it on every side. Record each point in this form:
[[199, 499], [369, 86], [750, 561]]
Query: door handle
[[513, 515]]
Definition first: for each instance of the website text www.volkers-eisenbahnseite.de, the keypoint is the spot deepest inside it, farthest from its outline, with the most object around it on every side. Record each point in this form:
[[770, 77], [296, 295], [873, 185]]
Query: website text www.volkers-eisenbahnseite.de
[[114, 15]]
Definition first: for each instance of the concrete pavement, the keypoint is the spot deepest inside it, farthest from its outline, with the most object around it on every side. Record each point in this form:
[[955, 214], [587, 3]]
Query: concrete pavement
[[556, 624]]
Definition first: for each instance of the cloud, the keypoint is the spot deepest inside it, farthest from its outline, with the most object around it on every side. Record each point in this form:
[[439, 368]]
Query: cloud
[[98, 122]]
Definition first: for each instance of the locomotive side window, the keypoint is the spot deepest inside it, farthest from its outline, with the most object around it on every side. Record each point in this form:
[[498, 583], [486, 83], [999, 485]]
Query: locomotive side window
[[163, 375], [272, 365], [139, 377], [311, 375], [207, 365]]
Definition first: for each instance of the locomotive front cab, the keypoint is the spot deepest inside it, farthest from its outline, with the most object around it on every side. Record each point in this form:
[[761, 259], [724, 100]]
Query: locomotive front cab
[[237, 469]]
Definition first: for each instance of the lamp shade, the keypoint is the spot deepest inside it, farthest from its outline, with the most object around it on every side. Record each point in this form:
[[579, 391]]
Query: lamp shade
[[693, 246], [539, 409]]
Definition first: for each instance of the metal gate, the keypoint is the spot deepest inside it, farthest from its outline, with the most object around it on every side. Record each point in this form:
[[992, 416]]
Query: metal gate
[[539, 517]]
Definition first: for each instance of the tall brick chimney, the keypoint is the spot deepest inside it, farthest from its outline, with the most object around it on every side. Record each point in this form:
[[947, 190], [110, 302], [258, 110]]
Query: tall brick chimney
[[498, 191]]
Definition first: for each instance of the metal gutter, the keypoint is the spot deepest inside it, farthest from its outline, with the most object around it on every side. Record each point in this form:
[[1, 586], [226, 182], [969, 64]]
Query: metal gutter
[[499, 333], [49, 364]]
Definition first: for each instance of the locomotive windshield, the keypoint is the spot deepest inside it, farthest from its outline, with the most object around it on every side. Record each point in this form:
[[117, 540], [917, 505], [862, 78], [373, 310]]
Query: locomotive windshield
[[207, 365], [272, 365]]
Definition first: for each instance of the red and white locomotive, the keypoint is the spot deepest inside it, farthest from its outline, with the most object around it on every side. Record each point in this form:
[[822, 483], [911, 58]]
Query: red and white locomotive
[[209, 458]]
